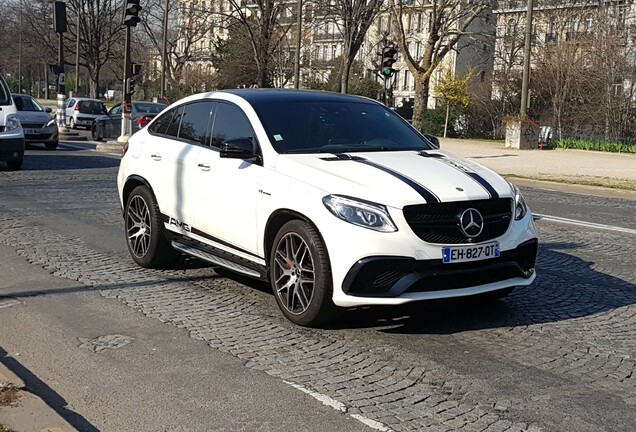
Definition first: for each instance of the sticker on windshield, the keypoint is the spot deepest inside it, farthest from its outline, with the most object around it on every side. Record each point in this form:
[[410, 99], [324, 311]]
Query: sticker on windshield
[[278, 137]]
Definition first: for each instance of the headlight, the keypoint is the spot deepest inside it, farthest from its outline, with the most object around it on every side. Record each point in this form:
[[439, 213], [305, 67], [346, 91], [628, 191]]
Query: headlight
[[361, 213], [520, 205], [51, 123], [13, 122]]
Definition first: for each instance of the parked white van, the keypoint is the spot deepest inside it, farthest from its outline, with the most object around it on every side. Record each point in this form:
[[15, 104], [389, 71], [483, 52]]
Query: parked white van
[[11, 133]]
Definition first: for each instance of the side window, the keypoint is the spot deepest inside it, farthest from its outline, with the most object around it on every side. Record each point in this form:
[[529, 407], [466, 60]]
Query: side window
[[160, 125], [115, 110], [173, 126], [195, 124], [229, 123], [70, 103]]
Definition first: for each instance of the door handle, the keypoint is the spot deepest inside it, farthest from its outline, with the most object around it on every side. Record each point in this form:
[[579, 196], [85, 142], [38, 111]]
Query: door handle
[[156, 156], [204, 167]]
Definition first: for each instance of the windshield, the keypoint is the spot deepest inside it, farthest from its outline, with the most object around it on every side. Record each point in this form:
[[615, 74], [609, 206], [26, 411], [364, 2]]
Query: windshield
[[26, 103], [333, 127], [5, 96], [91, 107]]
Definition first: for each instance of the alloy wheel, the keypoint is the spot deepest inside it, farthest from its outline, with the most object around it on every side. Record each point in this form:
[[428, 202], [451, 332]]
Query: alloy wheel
[[294, 276], [138, 228]]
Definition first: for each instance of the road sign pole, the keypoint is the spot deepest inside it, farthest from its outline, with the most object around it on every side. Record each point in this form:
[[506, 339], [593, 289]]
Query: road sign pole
[[61, 88], [126, 119]]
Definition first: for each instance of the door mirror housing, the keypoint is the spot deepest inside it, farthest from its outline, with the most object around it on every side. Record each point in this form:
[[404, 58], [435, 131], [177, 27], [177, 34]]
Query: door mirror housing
[[239, 148], [48, 110], [433, 140]]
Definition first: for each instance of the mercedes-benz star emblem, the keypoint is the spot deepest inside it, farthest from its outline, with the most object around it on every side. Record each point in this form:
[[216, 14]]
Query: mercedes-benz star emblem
[[471, 222]]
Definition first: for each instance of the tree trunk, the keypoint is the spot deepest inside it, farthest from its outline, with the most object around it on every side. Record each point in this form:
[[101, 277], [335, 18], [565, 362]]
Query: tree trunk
[[421, 99], [346, 70]]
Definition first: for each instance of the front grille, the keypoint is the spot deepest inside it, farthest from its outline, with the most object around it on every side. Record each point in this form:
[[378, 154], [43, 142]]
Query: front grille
[[439, 222], [32, 125]]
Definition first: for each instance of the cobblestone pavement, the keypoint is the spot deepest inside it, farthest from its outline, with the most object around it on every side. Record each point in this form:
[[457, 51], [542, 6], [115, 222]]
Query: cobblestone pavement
[[557, 356]]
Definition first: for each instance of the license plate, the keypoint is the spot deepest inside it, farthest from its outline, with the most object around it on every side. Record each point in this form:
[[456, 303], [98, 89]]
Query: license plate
[[470, 253], [31, 131]]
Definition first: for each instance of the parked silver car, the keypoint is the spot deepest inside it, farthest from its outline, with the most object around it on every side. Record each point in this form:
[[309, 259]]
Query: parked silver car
[[38, 125], [83, 112]]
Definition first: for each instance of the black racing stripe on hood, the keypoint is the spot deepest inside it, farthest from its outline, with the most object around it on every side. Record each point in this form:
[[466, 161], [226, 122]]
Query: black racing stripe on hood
[[429, 196], [463, 169]]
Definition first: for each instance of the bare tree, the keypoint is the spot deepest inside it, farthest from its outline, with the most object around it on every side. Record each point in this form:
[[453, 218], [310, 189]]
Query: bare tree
[[353, 18], [449, 20], [190, 26]]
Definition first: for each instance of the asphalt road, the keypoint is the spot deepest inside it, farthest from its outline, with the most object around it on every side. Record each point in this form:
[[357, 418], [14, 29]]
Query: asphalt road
[[113, 347]]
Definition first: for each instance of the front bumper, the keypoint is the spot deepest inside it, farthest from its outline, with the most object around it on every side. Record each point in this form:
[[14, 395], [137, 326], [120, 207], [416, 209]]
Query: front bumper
[[43, 135], [11, 147], [395, 276]]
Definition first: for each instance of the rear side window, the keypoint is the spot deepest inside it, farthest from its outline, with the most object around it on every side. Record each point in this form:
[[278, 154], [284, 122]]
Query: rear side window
[[91, 107], [162, 123], [195, 124], [230, 123]]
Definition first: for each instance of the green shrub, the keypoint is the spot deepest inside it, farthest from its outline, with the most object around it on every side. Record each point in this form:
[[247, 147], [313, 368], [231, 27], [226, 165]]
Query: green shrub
[[597, 145]]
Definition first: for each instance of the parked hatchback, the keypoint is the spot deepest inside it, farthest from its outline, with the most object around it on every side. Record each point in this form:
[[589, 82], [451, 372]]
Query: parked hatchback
[[334, 199], [38, 125], [82, 112], [11, 133], [109, 125]]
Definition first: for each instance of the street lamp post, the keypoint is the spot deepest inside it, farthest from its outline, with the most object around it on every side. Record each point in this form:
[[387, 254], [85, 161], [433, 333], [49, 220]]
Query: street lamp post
[[526, 62], [299, 23], [164, 50]]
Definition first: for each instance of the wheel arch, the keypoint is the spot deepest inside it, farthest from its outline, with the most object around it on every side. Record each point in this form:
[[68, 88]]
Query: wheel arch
[[131, 183], [276, 221]]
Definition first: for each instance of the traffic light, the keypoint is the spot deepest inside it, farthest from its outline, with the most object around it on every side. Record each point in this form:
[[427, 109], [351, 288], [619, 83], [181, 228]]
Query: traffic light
[[135, 69], [59, 17], [389, 56], [131, 13]]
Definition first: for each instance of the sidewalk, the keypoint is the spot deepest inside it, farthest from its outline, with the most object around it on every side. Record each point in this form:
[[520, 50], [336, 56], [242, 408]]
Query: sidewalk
[[571, 169], [22, 411]]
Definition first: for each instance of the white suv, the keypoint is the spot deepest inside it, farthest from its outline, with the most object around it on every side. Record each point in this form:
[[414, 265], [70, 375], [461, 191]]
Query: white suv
[[334, 199], [11, 133]]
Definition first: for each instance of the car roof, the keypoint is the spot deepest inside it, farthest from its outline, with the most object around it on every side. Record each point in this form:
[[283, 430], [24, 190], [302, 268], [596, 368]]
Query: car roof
[[259, 96], [21, 95]]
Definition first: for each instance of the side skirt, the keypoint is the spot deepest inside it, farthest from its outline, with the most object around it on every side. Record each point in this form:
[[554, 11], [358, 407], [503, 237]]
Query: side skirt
[[219, 257]]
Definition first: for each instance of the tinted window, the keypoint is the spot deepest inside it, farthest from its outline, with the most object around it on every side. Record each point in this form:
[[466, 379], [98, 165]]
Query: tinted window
[[160, 125], [115, 110], [71, 103], [230, 123], [196, 121], [148, 107], [91, 107], [173, 126], [5, 96], [312, 127]]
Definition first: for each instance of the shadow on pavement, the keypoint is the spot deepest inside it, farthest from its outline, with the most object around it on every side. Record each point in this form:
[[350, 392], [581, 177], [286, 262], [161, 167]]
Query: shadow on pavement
[[50, 161], [39, 388]]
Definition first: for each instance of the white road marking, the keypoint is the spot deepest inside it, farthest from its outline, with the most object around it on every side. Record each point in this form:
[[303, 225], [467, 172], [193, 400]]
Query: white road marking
[[584, 224], [329, 401]]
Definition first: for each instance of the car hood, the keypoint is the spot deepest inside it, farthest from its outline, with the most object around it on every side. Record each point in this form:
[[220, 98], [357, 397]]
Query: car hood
[[34, 117], [396, 178]]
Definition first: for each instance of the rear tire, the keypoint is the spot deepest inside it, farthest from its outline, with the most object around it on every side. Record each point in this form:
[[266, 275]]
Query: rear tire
[[145, 231], [15, 164], [94, 134], [72, 124], [300, 275]]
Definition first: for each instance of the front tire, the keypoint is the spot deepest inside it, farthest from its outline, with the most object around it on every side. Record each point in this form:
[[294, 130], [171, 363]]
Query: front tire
[[300, 275], [145, 232], [94, 134], [51, 145]]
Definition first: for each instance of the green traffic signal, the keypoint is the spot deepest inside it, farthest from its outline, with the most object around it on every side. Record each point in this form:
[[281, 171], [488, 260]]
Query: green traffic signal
[[388, 72]]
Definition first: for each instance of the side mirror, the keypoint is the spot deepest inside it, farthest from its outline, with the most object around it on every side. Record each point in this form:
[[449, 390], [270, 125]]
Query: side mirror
[[239, 148], [432, 140], [48, 110]]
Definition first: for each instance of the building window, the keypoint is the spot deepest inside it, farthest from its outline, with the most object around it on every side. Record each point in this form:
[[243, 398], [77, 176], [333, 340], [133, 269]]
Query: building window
[[405, 80], [511, 28], [419, 22]]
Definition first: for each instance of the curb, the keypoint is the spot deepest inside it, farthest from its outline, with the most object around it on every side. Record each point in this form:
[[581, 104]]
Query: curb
[[26, 412], [110, 147]]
